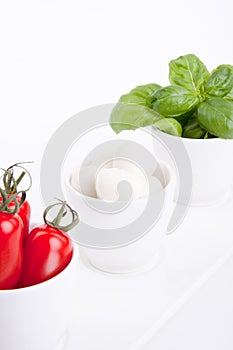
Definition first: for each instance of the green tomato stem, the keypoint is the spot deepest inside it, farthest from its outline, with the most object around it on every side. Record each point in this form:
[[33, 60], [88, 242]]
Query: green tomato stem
[[7, 199], [10, 183], [63, 211]]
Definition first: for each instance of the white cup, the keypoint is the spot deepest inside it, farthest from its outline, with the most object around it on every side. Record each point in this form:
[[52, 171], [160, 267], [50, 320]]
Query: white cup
[[210, 162], [36, 317], [136, 253]]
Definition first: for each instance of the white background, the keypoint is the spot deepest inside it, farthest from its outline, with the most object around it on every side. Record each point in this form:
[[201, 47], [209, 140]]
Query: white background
[[58, 57]]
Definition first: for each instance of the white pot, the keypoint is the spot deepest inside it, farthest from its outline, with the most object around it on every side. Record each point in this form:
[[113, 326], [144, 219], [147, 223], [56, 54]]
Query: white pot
[[132, 252], [210, 162], [36, 317]]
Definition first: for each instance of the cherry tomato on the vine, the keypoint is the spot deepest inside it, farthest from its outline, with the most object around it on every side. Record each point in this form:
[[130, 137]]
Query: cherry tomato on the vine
[[10, 187], [47, 251], [11, 249], [24, 213]]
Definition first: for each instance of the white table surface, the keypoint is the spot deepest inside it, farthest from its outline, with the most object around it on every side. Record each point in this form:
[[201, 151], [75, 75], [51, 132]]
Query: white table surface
[[205, 322], [185, 301]]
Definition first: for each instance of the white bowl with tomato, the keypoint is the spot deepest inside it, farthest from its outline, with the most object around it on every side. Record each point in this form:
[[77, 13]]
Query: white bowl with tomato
[[36, 317], [37, 279]]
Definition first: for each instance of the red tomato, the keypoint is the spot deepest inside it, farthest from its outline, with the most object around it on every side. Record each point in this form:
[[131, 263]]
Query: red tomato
[[25, 213], [47, 252], [11, 249]]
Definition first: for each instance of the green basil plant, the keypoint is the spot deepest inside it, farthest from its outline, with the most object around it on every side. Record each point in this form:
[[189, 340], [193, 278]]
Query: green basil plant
[[197, 104]]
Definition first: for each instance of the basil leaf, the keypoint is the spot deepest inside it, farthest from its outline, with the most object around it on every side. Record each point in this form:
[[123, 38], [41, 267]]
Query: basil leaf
[[139, 94], [229, 96], [151, 98], [126, 116], [173, 101], [192, 129], [169, 125], [216, 116], [184, 118], [189, 72], [220, 81]]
